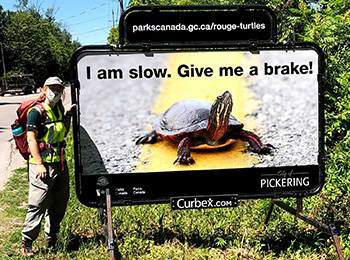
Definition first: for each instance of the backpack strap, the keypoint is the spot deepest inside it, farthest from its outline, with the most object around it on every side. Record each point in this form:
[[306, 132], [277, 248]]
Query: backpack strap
[[42, 112], [61, 108]]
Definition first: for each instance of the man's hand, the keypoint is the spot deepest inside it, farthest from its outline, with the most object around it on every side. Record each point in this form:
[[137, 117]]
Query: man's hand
[[41, 171]]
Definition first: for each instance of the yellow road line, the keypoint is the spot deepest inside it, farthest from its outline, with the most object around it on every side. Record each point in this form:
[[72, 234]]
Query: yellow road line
[[160, 156]]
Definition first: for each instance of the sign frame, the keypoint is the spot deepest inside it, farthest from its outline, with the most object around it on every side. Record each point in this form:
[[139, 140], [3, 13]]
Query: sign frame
[[143, 188]]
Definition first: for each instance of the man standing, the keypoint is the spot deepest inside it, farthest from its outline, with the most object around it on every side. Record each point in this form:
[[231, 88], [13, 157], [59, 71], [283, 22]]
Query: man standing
[[48, 171]]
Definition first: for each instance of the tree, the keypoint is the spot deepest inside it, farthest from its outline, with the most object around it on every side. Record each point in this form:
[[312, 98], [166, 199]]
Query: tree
[[113, 37], [34, 43]]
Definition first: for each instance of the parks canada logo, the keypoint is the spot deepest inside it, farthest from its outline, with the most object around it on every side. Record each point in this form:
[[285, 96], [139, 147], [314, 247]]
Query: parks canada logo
[[284, 179]]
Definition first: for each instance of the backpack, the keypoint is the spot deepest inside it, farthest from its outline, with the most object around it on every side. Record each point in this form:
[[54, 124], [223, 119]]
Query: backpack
[[19, 131]]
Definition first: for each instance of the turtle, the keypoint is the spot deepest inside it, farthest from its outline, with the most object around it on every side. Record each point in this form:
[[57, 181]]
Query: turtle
[[198, 124]]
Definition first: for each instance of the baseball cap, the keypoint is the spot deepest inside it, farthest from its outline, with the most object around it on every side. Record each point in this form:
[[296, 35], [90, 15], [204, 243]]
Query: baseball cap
[[54, 81]]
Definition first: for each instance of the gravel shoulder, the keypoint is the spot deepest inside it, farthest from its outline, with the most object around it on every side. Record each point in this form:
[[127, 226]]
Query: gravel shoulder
[[116, 118], [288, 111]]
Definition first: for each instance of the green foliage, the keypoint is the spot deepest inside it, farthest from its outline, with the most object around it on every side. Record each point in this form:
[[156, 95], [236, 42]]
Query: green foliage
[[113, 37], [330, 29], [34, 43]]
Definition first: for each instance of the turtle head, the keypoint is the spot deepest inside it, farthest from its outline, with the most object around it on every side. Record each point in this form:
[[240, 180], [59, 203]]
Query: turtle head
[[219, 115]]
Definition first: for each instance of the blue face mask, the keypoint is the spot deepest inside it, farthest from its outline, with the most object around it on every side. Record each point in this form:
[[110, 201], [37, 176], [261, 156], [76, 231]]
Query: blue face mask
[[53, 96]]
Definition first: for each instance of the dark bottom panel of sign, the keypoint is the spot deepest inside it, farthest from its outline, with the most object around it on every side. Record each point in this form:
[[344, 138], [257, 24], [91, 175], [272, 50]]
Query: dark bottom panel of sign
[[148, 188]]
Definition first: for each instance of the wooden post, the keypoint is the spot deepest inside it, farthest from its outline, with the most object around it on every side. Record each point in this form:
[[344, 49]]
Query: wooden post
[[3, 64], [334, 232], [300, 205], [110, 240]]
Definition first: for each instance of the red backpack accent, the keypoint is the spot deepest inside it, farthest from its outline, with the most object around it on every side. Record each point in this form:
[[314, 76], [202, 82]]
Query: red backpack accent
[[19, 131]]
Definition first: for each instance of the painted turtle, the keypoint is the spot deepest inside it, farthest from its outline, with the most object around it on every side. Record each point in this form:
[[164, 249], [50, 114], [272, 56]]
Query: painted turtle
[[199, 124]]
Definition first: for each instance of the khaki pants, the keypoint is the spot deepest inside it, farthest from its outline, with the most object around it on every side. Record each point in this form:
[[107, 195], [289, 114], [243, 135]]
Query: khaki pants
[[47, 197]]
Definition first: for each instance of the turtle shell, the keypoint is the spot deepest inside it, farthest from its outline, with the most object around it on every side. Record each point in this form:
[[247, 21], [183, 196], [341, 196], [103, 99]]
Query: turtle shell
[[186, 116]]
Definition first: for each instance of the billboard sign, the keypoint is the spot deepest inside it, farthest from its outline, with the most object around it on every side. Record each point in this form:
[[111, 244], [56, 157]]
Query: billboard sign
[[198, 122]]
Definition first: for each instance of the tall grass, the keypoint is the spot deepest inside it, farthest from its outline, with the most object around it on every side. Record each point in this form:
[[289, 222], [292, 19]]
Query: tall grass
[[157, 232]]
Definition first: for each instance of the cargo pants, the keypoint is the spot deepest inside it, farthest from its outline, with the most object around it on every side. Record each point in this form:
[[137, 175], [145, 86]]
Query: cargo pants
[[47, 197]]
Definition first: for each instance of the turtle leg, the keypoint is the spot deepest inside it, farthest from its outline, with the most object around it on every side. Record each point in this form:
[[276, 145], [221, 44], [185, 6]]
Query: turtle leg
[[150, 137], [183, 152], [255, 143]]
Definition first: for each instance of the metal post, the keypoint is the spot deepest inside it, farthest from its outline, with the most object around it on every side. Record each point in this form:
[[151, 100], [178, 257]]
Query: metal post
[[269, 212], [303, 217], [110, 240], [330, 230], [102, 212]]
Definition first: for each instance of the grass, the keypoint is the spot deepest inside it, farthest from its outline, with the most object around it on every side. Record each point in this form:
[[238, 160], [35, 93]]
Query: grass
[[157, 232]]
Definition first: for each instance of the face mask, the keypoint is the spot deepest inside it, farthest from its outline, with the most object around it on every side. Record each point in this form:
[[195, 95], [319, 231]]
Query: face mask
[[53, 96]]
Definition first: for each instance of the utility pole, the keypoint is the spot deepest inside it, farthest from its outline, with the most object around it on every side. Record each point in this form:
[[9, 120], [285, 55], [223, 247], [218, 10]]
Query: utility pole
[[3, 64], [113, 18], [121, 7]]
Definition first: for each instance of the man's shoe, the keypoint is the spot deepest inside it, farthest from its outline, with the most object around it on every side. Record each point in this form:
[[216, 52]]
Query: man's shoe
[[26, 248]]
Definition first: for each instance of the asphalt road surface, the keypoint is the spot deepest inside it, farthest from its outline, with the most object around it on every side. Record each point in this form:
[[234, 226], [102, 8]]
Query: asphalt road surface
[[8, 154], [10, 158]]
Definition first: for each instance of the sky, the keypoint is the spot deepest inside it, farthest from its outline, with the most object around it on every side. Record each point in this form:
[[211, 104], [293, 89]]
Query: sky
[[88, 21]]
